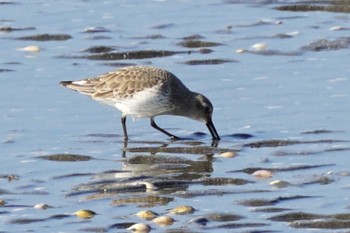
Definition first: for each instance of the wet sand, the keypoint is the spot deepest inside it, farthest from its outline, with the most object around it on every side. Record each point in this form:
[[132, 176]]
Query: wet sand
[[276, 74]]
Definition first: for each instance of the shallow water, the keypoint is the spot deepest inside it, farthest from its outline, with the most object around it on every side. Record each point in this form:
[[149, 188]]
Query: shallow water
[[65, 150]]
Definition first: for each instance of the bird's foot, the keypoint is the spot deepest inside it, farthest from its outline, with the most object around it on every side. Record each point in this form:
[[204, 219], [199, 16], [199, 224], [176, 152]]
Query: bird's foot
[[175, 138]]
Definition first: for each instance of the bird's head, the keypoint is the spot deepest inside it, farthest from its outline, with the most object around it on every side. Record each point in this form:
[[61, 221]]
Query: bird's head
[[202, 110]]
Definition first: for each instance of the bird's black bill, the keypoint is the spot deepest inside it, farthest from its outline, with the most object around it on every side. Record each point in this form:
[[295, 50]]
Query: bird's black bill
[[212, 130]]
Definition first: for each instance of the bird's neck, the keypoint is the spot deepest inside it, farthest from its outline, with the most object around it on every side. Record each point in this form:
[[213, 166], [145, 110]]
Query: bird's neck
[[186, 106]]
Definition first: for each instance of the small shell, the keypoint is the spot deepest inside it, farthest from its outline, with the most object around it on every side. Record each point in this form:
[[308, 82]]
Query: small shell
[[294, 33], [42, 206], [262, 174], [228, 154], [163, 220], [336, 28], [95, 29], [148, 185], [259, 46], [85, 214], [30, 48], [182, 209], [279, 183], [241, 50], [140, 227], [146, 214]]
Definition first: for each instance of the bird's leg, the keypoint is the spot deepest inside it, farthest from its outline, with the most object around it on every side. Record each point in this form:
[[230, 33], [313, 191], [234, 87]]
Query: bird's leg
[[154, 125], [214, 143], [124, 128], [125, 147]]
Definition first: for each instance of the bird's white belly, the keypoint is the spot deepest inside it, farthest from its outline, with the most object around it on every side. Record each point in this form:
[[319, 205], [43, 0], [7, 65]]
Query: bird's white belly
[[146, 103]]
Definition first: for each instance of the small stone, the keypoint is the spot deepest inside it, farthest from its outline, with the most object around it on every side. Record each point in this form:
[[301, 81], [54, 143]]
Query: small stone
[[146, 214], [241, 50], [41, 206], [278, 22], [183, 209], [163, 220], [140, 227], [30, 48], [338, 28], [279, 183], [85, 214], [95, 29], [199, 220], [263, 174], [148, 185], [228, 154], [259, 46]]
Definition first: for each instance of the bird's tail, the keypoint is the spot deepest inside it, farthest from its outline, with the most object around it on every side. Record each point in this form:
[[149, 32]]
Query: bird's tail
[[80, 86], [65, 83]]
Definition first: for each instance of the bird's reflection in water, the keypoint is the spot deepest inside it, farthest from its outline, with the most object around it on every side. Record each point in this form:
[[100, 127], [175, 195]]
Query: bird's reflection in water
[[148, 172], [172, 160]]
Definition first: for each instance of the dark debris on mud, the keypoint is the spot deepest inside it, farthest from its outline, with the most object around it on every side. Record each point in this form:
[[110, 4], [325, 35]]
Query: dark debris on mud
[[11, 29], [8, 3], [99, 49], [279, 143], [270, 202], [339, 8], [320, 131], [9, 178], [6, 70], [152, 37], [209, 61], [321, 224], [270, 52], [325, 44], [223, 217], [140, 54], [46, 37], [189, 43], [251, 170], [33, 220], [66, 157], [309, 220]]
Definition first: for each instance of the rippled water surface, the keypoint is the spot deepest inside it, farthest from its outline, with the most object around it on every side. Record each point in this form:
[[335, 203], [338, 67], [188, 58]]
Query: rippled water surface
[[281, 108]]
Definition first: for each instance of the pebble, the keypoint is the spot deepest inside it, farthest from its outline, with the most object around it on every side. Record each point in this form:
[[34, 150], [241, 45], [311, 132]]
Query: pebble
[[293, 33], [30, 48], [228, 154], [241, 50], [279, 183], [338, 28], [148, 185], [85, 214], [259, 46], [2, 202], [262, 174], [278, 22], [146, 214], [183, 209], [163, 220], [139, 227], [95, 29], [42, 206], [199, 220]]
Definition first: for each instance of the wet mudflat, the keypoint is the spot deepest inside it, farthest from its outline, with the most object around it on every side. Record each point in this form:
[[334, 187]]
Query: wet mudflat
[[277, 75]]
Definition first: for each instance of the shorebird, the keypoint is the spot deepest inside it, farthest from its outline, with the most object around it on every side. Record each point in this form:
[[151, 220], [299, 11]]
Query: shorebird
[[142, 91]]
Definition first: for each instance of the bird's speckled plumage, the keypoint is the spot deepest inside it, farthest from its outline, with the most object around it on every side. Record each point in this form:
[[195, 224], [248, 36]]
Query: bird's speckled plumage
[[143, 91]]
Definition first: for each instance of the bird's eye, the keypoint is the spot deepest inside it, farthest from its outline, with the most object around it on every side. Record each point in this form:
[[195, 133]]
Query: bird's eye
[[207, 109]]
